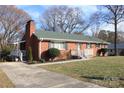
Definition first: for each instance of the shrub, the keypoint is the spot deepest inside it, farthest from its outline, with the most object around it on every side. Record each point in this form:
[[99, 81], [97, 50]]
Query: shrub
[[98, 52], [53, 52], [75, 57], [122, 53], [42, 60], [5, 52], [103, 51], [44, 55], [29, 55]]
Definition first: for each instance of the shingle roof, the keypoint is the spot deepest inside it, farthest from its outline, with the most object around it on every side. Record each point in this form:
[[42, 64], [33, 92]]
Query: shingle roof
[[50, 35]]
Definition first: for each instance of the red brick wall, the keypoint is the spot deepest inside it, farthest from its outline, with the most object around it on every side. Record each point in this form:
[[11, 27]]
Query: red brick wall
[[30, 29], [94, 49], [71, 46], [35, 47], [44, 45], [31, 40], [63, 53], [83, 46]]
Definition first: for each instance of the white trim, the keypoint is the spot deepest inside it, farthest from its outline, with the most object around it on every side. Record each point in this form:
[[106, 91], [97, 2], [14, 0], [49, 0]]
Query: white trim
[[17, 42], [71, 40], [39, 50]]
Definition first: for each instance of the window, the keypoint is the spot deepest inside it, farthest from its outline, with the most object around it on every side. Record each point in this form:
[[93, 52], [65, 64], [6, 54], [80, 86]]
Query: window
[[88, 45], [58, 45]]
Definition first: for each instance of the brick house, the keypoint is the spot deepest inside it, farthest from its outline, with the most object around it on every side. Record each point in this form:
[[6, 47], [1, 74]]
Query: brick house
[[68, 44]]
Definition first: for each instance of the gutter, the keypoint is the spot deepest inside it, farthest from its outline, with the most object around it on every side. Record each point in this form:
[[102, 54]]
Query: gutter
[[71, 40]]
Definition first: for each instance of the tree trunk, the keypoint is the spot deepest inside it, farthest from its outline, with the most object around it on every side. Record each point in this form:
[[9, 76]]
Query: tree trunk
[[115, 39]]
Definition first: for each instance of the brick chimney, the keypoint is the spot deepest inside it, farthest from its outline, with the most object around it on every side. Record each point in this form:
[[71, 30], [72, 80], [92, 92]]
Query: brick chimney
[[30, 29]]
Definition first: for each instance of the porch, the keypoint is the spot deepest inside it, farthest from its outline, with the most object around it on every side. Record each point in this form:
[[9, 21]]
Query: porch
[[75, 54], [86, 53]]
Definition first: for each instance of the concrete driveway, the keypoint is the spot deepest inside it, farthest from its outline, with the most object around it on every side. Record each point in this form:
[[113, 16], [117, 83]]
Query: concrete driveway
[[27, 76]]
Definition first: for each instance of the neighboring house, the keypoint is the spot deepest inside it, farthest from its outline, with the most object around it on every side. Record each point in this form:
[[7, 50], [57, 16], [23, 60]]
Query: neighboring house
[[120, 48], [68, 44]]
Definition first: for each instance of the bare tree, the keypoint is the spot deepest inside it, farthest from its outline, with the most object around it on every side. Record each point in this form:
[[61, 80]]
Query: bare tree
[[109, 36], [12, 21], [103, 35], [96, 21], [64, 19], [114, 15]]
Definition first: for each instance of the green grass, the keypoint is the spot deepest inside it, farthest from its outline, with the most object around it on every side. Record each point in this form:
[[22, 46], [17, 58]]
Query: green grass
[[104, 71], [4, 81]]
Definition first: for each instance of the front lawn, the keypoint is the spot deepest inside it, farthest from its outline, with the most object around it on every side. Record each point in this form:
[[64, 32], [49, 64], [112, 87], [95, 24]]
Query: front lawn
[[4, 81], [104, 71]]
